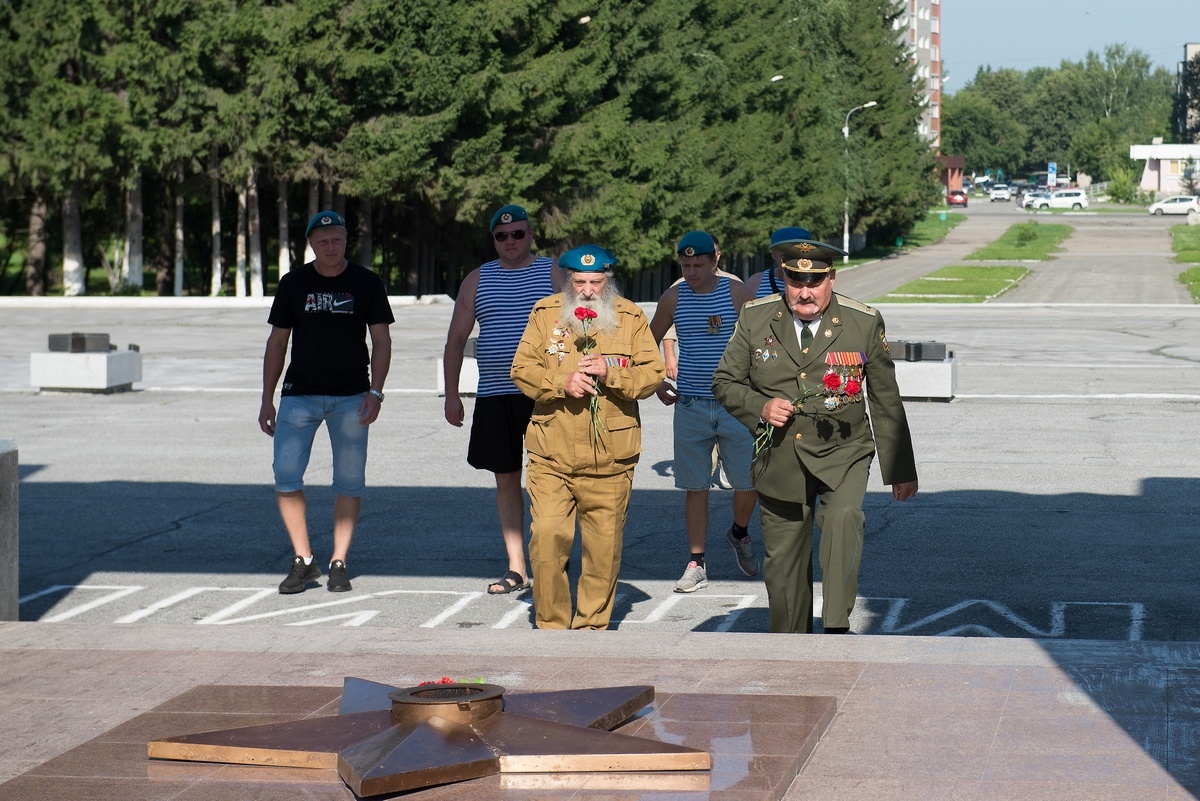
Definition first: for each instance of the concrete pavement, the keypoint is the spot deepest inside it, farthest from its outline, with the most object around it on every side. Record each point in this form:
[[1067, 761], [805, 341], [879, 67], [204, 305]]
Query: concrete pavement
[[1053, 532]]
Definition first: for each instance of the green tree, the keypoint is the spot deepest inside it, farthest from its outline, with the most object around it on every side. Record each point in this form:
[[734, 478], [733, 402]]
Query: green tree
[[987, 137], [65, 126], [1185, 118]]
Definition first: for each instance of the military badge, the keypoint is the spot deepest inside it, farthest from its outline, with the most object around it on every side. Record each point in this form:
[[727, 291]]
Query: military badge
[[804, 247], [804, 264], [843, 381], [689, 251], [505, 218], [714, 324], [587, 259], [557, 346], [326, 220]]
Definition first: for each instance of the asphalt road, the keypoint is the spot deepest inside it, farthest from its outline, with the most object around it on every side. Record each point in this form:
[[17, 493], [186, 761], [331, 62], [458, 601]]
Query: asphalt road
[[1059, 490]]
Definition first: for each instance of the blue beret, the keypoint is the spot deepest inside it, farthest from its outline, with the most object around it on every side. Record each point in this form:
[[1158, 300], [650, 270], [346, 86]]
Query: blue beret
[[782, 236], [507, 214], [587, 259], [324, 219], [696, 243]]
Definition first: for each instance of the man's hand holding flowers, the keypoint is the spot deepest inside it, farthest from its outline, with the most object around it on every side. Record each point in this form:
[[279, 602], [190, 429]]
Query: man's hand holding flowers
[[582, 382]]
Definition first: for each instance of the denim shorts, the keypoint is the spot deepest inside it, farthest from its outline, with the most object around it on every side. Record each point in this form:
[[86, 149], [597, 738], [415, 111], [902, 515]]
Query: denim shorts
[[704, 432], [296, 425]]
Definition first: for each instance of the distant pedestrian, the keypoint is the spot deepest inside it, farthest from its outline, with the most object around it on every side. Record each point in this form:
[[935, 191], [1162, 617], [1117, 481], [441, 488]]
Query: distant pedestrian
[[326, 308], [499, 296]]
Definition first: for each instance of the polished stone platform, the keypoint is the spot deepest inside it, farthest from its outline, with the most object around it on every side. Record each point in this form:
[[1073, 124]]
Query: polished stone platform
[[918, 718], [757, 743]]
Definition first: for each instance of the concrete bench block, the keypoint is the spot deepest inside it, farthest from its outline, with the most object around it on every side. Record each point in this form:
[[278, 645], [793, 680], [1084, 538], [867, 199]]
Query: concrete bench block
[[468, 379], [113, 371], [927, 380]]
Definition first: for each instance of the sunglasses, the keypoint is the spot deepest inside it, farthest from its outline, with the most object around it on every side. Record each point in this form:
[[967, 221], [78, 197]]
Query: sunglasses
[[502, 236]]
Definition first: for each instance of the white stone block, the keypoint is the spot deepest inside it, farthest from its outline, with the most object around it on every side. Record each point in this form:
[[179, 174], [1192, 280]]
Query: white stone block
[[87, 372], [468, 378], [930, 380]]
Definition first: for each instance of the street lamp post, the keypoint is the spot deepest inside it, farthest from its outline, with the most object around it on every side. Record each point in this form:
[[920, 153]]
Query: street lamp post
[[846, 154]]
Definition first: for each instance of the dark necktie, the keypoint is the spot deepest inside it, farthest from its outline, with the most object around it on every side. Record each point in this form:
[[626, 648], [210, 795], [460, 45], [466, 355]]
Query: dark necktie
[[806, 335]]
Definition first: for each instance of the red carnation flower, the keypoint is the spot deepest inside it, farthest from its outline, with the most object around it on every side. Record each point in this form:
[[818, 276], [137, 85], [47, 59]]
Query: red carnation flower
[[853, 387], [832, 380], [585, 314]]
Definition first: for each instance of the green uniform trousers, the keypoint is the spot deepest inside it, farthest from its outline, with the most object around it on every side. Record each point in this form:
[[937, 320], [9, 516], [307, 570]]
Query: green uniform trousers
[[601, 504], [787, 529]]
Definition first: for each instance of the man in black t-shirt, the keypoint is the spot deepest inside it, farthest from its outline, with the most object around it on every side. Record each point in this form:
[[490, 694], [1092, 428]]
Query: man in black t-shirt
[[327, 308]]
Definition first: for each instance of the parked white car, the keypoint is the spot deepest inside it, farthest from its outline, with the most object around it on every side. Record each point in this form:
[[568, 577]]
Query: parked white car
[[1031, 199], [1178, 204], [1000, 192], [1063, 199]]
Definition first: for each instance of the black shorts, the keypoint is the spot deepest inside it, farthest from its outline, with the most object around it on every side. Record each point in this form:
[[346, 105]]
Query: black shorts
[[498, 433]]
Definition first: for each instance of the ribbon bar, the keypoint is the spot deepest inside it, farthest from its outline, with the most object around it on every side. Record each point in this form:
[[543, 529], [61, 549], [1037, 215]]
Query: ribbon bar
[[846, 358]]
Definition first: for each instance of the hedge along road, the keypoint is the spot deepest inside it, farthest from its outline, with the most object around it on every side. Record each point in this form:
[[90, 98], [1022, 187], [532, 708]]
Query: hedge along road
[[1057, 496]]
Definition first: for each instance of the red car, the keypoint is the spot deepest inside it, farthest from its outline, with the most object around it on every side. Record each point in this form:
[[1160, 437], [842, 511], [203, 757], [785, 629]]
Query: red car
[[957, 197]]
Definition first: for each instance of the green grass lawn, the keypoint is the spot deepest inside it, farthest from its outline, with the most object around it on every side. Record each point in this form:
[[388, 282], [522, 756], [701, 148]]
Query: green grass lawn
[[1028, 241], [1185, 241], [933, 228], [958, 284]]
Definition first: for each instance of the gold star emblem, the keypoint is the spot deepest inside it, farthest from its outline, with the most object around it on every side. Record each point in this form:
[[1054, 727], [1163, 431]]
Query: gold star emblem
[[587, 259]]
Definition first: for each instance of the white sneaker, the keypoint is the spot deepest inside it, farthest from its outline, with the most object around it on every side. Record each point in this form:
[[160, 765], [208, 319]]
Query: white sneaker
[[743, 550], [694, 578]]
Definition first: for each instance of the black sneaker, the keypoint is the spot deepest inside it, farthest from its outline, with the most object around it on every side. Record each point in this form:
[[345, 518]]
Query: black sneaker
[[337, 577], [300, 577]]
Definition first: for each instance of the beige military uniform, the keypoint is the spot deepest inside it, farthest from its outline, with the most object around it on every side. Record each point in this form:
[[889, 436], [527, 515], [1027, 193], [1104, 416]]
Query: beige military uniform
[[825, 451], [574, 470]]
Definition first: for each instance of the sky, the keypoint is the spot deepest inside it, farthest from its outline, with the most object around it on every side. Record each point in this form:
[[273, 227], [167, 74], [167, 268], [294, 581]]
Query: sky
[[1023, 34]]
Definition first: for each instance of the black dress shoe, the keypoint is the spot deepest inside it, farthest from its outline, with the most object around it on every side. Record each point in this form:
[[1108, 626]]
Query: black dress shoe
[[838, 630]]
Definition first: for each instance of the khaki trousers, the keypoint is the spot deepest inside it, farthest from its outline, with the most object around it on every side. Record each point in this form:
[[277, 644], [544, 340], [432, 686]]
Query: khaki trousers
[[787, 529], [601, 504]]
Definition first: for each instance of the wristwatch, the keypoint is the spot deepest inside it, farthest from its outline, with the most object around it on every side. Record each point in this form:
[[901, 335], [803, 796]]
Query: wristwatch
[[376, 393]]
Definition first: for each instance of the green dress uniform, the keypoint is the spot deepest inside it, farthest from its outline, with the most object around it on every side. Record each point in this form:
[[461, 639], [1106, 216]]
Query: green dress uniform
[[575, 469], [826, 449]]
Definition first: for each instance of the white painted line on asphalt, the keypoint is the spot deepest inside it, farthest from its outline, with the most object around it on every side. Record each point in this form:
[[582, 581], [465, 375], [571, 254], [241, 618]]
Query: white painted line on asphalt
[[520, 610], [674, 599], [115, 594], [352, 619], [251, 390], [452, 610], [1092, 396], [280, 612], [219, 616], [1058, 617], [133, 617], [730, 619]]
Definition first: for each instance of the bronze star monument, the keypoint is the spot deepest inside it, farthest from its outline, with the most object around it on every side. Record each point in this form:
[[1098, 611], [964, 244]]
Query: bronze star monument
[[386, 739]]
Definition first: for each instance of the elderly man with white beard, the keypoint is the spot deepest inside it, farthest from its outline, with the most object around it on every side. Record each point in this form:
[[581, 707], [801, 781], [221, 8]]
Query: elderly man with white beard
[[587, 356]]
